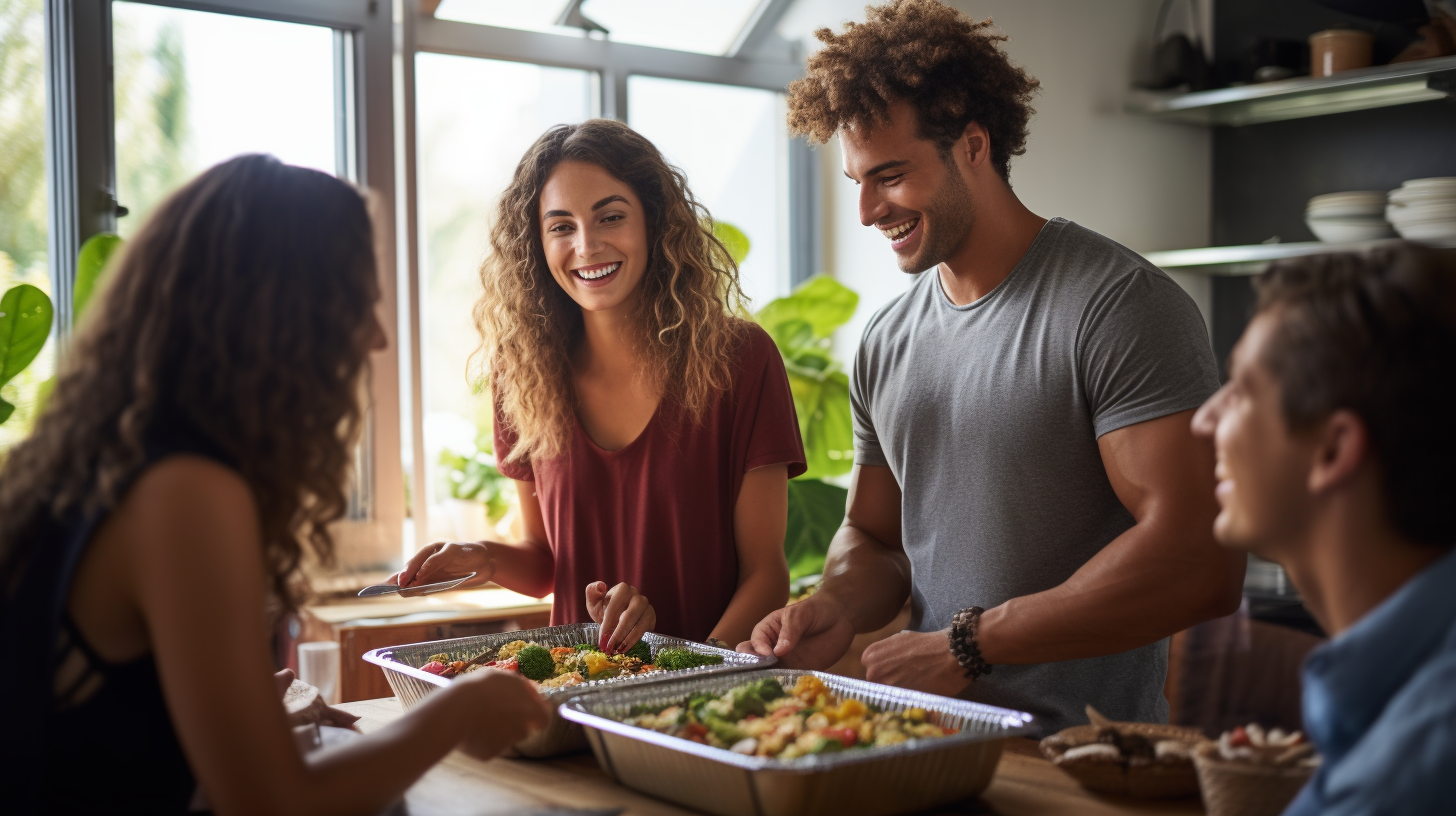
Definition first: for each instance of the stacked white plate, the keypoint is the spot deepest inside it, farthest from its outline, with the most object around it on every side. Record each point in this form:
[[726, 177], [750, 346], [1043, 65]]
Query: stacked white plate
[[1358, 215], [1425, 210]]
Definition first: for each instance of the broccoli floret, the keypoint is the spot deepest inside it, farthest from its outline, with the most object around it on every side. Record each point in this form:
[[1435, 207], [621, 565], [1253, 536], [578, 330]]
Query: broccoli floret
[[585, 647], [641, 651], [768, 689], [677, 659], [753, 698], [696, 702], [723, 730], [536, 663]]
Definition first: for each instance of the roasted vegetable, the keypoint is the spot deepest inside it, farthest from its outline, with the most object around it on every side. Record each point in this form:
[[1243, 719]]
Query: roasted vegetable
[[677, 659], [536, 662], [762, 718], [641, 651]]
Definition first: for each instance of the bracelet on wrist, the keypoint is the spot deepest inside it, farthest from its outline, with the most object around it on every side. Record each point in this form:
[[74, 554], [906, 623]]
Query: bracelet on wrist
[[963, 645]]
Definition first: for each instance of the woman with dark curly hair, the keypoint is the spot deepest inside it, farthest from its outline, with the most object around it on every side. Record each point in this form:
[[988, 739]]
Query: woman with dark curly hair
[[191, 458], [1024, 469], [649, 427]]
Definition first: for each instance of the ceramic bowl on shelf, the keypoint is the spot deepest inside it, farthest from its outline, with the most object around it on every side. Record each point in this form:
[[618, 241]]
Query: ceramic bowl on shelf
[[1425, 210], [1349, 230], [1355, 215], [1354, 204]]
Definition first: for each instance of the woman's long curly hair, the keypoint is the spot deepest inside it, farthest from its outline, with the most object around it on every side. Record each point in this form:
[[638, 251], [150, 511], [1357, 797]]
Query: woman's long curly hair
[[240, 311], [530, 328]]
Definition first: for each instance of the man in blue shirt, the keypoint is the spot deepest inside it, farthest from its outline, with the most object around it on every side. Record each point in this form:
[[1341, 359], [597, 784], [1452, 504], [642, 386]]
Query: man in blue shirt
[[1336, 445]]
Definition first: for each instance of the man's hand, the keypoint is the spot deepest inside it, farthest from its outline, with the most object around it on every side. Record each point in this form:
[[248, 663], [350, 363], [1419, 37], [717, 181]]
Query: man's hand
[[915, 660], [443, 562], [811, 634]]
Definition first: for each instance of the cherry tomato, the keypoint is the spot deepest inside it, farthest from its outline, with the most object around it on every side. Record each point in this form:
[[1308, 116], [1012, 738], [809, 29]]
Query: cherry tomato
[[1239, 737], [846, 736]]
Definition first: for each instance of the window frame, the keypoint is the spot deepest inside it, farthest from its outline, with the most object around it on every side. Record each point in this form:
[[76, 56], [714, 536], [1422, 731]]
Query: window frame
[[81, 183], [377, 116]]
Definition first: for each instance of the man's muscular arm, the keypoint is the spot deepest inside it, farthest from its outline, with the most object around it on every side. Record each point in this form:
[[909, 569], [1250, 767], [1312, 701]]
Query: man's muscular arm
[[1162, 575], [866, 569]]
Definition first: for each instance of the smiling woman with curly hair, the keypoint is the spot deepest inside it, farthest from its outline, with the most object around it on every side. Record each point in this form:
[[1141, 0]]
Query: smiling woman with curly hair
[[649, 427]]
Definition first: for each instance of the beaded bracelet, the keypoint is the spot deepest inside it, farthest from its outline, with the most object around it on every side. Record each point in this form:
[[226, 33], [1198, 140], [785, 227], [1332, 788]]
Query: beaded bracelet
[[963, 642]]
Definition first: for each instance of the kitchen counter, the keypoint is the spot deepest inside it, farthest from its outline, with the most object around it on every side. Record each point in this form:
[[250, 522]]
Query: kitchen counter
[[1024, 785]]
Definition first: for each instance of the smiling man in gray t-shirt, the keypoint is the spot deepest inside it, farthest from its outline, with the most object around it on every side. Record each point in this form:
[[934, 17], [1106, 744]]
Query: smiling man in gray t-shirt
[[988, 416], [1025, 473]]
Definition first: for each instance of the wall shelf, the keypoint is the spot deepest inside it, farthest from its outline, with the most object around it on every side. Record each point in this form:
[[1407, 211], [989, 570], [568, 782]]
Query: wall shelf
[[1248, 260], [1362, 89]]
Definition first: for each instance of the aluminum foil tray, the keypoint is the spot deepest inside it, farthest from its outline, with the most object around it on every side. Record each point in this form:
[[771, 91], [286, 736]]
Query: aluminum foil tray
[[402, 664], [903, 778]]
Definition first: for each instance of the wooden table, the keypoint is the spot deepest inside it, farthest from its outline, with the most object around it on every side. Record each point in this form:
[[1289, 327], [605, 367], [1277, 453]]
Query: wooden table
[[1024, 785]]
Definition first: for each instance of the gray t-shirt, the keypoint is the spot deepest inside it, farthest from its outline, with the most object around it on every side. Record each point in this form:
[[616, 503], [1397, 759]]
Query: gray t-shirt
[[988, 416]]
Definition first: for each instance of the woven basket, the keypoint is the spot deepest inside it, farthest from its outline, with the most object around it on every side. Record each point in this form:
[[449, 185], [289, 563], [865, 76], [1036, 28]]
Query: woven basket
[[1244, 788], [1159, 780]]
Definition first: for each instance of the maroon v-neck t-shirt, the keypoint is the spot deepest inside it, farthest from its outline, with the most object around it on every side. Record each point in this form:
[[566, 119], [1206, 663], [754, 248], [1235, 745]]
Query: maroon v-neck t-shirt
[[658, 513]]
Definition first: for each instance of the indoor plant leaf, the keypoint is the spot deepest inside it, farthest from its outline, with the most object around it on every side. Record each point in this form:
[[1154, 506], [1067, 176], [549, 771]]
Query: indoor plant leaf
[[733, 240], [90, 265], [25, 323], [828, 430], [816, 510], [823, 302]]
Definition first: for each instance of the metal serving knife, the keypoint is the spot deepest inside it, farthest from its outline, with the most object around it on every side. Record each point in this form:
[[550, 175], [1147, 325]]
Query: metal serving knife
[[413, 591]]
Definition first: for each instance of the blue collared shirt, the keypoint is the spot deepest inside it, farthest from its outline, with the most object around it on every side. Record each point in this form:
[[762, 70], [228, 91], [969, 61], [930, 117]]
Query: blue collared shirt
[[1380, 705]]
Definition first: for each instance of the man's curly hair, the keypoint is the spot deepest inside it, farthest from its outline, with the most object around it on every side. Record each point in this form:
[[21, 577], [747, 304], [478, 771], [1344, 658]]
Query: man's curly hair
[[950, 68]]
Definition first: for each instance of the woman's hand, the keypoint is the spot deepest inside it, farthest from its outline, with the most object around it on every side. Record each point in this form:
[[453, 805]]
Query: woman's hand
[[318, 712], [623, 612], [443, 562], [506, 708]]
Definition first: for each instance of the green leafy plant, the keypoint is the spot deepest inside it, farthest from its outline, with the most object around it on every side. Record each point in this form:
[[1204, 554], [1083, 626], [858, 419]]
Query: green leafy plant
[[25, 323], [802, 325], [91, 264], [475, 478]]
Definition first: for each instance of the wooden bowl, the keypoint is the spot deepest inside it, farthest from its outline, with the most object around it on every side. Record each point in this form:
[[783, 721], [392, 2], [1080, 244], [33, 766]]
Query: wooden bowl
[[1159, 779]]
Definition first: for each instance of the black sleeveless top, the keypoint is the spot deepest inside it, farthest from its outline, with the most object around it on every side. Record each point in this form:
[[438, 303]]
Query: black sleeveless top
[[104, 744]]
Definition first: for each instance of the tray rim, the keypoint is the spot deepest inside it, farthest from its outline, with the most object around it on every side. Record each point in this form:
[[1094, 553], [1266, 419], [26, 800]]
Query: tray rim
[[379, 658], [573, 710]]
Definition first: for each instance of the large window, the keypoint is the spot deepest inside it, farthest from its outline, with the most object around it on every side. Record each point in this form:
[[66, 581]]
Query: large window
[[23, 187], [476, 118], [195, 88], [151, 92], [732, 145]]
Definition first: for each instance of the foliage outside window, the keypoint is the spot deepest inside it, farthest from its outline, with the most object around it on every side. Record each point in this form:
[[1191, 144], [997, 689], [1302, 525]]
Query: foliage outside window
[[23, 229]]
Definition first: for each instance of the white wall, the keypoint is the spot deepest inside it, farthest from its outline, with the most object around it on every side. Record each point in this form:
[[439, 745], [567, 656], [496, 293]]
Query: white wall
[[1142, 183]]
